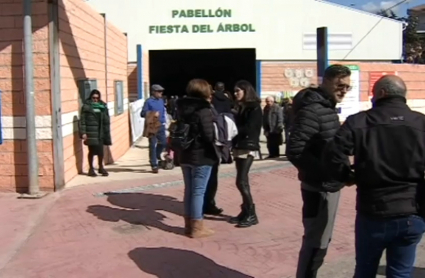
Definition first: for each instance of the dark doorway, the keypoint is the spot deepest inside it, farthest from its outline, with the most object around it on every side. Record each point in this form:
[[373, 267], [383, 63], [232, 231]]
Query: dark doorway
[[173, 69]]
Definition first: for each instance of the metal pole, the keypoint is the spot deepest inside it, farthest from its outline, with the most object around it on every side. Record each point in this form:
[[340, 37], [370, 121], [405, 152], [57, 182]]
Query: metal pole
[[33, 187], [322, 52]]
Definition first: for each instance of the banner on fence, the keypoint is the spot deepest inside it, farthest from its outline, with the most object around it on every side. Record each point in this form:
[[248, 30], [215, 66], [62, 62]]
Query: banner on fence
[[137, 122]]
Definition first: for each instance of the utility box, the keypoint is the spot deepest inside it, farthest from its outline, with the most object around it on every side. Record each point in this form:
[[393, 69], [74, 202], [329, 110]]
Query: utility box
[[85, 86]]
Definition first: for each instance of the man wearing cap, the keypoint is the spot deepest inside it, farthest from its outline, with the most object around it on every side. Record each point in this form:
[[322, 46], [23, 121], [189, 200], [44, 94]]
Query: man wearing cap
[[158, 142]]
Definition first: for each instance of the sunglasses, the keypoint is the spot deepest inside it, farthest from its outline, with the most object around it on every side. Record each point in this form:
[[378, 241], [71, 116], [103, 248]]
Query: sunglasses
[[344, 86], [94, 98]]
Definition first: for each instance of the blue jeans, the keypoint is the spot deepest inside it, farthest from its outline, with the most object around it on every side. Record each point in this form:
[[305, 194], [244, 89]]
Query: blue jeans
[[156, 146], [398, 236], [195, 183]]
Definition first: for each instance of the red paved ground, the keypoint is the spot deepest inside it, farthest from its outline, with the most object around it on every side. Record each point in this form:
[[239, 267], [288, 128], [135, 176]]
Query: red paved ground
[[140, 234]]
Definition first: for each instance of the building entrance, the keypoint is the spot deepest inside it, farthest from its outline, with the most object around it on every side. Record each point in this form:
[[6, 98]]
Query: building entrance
[[173, 69]]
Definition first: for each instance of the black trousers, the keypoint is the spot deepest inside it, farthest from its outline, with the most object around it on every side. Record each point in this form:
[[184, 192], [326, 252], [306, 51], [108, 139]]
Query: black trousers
[[274, 141], [96, 150], [242, 180], [209, 197]]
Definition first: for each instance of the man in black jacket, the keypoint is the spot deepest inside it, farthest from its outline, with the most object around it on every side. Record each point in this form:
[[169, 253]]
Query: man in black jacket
[[388, 144], [221, 104], [315, 122]]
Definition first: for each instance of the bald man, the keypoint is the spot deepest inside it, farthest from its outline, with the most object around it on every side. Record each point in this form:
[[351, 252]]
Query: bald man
[[273, 126], [388, 145]]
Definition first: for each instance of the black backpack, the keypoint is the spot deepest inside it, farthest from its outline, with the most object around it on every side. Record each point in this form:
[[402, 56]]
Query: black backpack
[[180, 138]]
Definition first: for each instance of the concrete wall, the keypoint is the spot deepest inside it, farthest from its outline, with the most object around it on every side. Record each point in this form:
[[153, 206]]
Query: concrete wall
[[82, 50], [274, 80], [283, 29]]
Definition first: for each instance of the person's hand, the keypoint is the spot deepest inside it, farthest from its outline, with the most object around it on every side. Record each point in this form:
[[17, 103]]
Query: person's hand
[[84, 137], [156, 114], [351, 179]]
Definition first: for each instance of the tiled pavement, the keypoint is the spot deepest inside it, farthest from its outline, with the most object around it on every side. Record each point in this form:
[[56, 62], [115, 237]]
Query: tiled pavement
[[137, 231]]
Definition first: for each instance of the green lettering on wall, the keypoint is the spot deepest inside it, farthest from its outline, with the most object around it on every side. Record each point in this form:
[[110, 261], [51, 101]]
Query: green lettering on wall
[[168, 29], [201, 13], [235, 28]]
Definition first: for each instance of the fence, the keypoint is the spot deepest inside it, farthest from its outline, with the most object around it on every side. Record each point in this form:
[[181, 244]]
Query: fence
[[137, 122]]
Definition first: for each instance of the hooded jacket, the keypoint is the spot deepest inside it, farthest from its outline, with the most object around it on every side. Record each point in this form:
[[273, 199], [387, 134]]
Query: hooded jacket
[[197, 113], [316, 122], [96, 126], [221, 102]]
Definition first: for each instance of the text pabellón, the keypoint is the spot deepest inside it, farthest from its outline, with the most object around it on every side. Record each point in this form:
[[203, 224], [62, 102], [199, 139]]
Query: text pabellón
[[201, 13]]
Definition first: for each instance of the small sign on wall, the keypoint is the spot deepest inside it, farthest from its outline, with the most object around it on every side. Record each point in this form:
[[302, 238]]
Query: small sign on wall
[[374, 76]]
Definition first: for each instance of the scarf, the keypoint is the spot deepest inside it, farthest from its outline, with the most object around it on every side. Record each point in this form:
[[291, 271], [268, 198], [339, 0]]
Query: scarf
[[98, 107]]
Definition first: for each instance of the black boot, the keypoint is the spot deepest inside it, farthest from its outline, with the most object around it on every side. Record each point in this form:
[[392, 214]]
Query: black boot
[[213, 210], [92, 173], [241, 215], [249, 219], [103, 172]]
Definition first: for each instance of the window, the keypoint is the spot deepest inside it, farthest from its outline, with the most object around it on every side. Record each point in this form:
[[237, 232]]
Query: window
[[85, 86], [119, 97]]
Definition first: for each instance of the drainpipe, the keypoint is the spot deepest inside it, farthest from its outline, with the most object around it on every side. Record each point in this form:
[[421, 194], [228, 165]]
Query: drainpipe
[[33, 186]]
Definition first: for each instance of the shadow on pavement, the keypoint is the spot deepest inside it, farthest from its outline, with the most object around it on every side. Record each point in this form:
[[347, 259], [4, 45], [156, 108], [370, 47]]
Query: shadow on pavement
[[140, 209], [418, 272], [168, 262], [127, 170]]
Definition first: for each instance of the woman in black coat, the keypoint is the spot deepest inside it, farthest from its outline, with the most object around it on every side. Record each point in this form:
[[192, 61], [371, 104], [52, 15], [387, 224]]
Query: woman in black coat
[[95, 130], [248, 118], [198, 159]]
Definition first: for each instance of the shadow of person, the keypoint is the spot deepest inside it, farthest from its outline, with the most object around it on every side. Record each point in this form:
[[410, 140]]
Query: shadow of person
[[78, 146], [140, 209], [418, 272], [169, 262]]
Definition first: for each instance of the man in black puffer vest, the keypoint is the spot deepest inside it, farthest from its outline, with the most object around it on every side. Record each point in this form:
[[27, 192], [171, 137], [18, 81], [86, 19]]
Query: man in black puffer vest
[[388, 144], [316, 121]]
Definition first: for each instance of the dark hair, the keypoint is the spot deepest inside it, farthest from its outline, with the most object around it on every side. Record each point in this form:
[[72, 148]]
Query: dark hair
[[199, 88], [249, 92], [337, 71], [219, 86], [95, 92]]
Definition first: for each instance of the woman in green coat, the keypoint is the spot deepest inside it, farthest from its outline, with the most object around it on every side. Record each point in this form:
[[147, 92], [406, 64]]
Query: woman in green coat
[[95, 130]]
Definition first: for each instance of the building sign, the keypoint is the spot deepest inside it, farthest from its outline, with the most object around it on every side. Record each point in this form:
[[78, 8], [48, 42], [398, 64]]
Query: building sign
[[222, 27], [351, 103], [374, 76]]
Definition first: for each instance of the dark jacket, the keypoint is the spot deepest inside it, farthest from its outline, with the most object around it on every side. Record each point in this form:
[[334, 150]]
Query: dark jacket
[[221, 102], [273, 119], [248, 119], [388, 144], [96, 126], [197, 113], [288, 115], [315, 122]]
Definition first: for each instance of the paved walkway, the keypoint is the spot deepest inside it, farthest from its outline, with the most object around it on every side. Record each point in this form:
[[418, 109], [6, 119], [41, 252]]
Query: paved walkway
[[133, 228]]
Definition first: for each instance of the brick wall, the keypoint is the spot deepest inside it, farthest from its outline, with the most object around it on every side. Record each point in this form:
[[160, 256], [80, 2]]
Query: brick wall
[[132, 81], [117, 71], [82, 55], [132, 77], [274, 79], [82, 36], [146, 74], [13, 155]]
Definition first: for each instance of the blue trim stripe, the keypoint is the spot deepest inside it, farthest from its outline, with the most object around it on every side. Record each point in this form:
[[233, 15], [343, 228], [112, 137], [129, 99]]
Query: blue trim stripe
[[139, 71], [258, 76]]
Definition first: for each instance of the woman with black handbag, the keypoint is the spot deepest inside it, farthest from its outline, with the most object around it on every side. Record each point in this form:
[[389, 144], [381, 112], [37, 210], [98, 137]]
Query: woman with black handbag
[[248, 118]]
